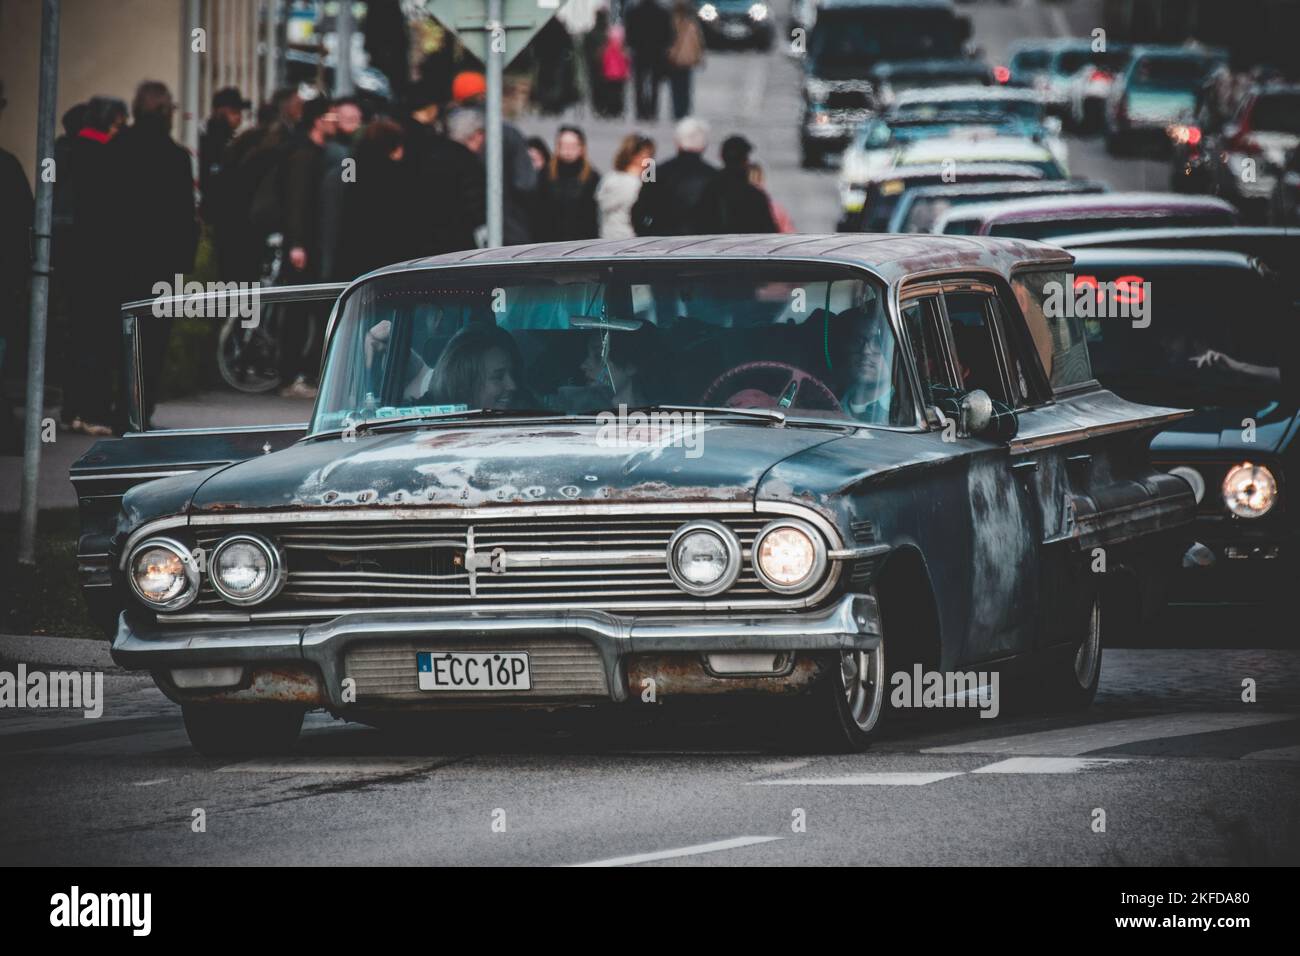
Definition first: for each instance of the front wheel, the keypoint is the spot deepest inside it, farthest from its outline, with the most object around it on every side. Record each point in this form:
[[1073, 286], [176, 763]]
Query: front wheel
[[841, 713], [242, 729], [1074, 673]]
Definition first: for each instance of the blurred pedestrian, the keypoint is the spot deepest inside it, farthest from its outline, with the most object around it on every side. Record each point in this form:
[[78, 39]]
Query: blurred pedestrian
[[303, 175], [678, 200], [779, 214], [228, 106], [742, 207], [608, 64], [649, 34], [88, 270], [684, 54], [157, 232], [619, 188], [538, 153], [568, 190], [379, 221], [557, 68], [15, 268], [456, 220], [338, 150], [519, 178]]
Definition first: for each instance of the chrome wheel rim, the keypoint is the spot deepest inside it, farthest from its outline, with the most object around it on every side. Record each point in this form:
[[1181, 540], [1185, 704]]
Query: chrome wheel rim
[[862, 682], [1085, 658]]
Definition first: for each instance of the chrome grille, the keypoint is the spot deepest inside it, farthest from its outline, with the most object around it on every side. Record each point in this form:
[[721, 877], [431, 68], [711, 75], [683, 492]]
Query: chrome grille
[[610, 562]]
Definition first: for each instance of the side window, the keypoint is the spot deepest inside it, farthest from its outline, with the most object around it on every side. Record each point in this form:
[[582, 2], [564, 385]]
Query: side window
[[1057, 332], [921, 321], [974, 345], [1017, 362]]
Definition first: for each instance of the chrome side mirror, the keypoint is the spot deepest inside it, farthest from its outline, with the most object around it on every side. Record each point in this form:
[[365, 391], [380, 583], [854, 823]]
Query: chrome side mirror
[[975, 413]]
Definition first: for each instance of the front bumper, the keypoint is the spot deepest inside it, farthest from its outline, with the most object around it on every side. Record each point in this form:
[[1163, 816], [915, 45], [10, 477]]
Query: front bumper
[[369, 658]]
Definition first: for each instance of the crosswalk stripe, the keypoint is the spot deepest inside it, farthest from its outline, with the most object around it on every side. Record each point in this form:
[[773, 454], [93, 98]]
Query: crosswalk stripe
[[1048, 765], [732, 844], [1073, 741], [882, 779]]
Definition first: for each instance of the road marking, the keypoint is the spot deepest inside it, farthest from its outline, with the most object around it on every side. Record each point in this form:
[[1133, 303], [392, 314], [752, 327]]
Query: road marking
[[150, 783], [882, 779], [1048, 764], [781, 766], [1073, 741], [732, 844], [1276, 753], [360, 765]]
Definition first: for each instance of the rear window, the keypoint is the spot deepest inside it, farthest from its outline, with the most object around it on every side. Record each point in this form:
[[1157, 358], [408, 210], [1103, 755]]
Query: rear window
[[1277, 113], [1058, 335], [1169, 73], [1030, 60]]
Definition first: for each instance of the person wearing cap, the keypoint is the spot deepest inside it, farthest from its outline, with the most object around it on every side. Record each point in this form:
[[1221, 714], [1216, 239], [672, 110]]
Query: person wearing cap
[[520, 177], [741, 206], [228, 106]]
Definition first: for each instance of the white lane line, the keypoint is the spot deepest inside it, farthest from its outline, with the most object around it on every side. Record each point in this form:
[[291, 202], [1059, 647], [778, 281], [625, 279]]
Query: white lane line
[[781, 766], [732, 844], [150, 783], [1048, 765], [1291, 753], [883, 779], [335, 765], [1072, 741]]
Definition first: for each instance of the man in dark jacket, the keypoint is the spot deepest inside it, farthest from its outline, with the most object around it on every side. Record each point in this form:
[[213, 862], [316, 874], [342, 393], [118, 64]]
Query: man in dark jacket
[[228, 108], [458, 192], [649, 34], [741, 206], [156, 234], [304, 172], [679, 200]]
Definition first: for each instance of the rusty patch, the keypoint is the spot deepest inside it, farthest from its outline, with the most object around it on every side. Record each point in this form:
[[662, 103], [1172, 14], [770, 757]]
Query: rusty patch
[[684, 674]]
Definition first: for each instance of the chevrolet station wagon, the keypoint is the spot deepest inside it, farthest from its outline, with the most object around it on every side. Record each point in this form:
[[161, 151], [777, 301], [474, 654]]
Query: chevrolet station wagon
[[602, 473]]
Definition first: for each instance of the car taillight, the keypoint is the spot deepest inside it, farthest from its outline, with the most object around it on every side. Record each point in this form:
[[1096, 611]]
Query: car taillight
[[1098, 76], [1001, 74]]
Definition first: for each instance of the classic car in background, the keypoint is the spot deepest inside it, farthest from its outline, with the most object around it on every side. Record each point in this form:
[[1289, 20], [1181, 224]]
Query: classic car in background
[[570, 474], [1047, 216]]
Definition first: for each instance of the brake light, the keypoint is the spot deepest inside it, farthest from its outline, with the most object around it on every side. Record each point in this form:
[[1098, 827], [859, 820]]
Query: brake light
[[1001, 74], [1097, 76]]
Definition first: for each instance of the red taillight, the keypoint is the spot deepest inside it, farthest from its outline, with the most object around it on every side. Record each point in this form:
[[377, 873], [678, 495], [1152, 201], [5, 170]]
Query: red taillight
[[1098, 76], [1193, 135], [1001, 74]]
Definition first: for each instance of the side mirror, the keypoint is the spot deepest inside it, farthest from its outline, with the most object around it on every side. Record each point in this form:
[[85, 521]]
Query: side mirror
[[979, 416]]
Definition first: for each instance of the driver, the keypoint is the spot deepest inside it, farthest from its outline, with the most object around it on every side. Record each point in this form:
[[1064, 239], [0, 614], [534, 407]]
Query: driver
[[860, 352], [480, 367]]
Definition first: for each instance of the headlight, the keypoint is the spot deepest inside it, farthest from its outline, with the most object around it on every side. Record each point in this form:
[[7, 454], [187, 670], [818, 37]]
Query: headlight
[[1249, 491], [758, 12], [246, 569], [708, 13], [789, 556], [704, 557], [163, 574]]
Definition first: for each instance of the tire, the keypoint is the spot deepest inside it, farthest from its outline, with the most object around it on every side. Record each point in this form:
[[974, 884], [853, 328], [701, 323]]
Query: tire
[[841, 714], [1072, 674], [242, 729], [248, 359]]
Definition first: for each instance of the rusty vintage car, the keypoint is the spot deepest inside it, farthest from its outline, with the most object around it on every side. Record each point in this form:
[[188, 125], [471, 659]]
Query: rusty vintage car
[[612, 472]]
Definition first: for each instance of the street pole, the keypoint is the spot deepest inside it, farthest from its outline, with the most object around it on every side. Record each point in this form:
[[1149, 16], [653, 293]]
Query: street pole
[[190, 94], [40, 294], [343, 54], [269, 79], [495, 171]]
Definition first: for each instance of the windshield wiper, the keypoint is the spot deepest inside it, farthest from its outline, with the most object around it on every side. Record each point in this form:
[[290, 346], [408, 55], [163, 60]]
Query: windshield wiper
[[375, 424]]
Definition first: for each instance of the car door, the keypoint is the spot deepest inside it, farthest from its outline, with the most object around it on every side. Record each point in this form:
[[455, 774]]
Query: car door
[[209, 425]]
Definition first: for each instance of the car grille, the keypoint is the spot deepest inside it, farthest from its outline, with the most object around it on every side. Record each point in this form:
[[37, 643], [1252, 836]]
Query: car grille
[[613, 562]]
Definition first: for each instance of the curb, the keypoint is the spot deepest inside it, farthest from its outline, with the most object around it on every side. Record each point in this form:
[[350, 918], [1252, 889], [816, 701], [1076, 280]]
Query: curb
[[56, 651]]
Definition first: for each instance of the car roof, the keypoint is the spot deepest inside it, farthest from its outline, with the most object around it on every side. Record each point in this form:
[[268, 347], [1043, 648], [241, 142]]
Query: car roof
[[1176, 50], [1118, 237], [1013, 172], [860, 4], [1118, 202], [954, 64], [1046, 186], [893, 258], [963, 91], [973, 149], [1139, 257]]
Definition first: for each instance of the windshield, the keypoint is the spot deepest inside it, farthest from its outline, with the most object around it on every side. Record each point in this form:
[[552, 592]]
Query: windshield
[[811, 342], [862, 38], [1202, 347], [1027, 109]]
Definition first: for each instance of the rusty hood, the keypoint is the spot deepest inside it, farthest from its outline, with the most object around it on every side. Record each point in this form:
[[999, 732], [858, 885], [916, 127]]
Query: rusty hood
[[512, 464]]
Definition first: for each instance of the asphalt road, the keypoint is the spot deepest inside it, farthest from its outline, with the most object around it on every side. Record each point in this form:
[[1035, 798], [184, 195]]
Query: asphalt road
[[1184, 770]]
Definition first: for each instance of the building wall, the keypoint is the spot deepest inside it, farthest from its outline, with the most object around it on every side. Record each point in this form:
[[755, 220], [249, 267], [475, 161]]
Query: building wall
[[106, 47]]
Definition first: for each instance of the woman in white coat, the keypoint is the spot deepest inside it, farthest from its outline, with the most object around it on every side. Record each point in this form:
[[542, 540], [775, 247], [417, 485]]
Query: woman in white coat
[[618, 189]]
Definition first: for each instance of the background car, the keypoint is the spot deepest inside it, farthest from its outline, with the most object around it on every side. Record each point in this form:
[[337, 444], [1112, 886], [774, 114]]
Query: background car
[[900, 76], [1051, 216], [737, 23], [1158, 88], [869, 207], [1088, 88], [1248, 153], [919, 208]]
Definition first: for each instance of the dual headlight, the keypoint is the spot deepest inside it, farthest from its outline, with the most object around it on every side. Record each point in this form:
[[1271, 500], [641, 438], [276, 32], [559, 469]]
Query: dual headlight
[[1249, 491], [244, 569], [704, 557]]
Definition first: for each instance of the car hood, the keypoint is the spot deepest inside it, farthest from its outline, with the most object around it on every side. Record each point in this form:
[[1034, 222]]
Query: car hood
[[1211, 430], [510, 464]]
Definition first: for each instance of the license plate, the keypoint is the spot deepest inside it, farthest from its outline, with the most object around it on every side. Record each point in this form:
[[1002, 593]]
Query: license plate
[[485, 670], [735, 29]]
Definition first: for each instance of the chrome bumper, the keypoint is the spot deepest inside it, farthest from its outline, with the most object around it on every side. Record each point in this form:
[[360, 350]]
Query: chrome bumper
[[852, 623]]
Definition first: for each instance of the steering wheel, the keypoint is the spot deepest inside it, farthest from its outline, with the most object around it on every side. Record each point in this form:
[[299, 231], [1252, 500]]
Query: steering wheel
[[726, 384]]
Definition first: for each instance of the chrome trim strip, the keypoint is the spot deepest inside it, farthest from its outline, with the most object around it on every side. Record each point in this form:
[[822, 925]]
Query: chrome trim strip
[[453, 513], [118, 476], [1019, 446], [863, 551], [160, 524]]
